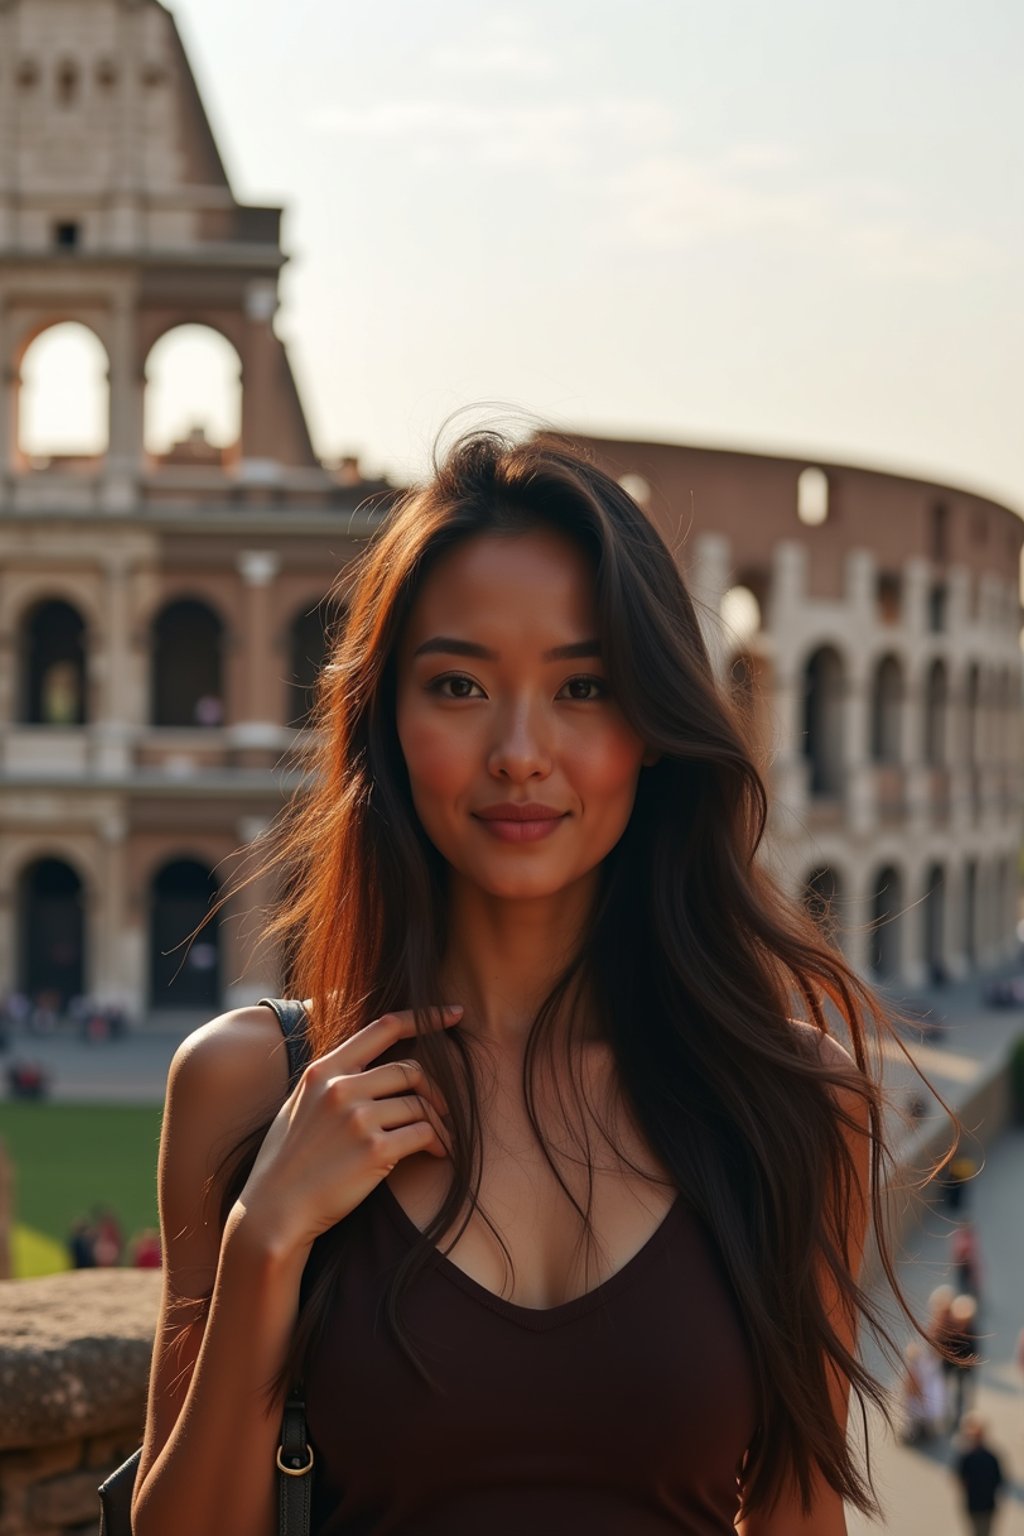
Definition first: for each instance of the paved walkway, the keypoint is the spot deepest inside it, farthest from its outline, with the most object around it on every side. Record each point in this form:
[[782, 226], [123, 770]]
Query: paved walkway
[[915, 1485]]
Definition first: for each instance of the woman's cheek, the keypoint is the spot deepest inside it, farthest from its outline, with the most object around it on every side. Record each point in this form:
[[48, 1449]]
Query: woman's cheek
[[432, 756]]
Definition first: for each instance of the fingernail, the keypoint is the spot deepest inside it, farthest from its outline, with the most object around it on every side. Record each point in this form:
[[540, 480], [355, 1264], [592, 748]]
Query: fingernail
[[453, 1008]]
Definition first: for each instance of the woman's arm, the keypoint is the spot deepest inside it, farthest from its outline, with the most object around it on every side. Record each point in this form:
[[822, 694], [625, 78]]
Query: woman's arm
[[208, 1462], [827, 1516], [209, 1452]]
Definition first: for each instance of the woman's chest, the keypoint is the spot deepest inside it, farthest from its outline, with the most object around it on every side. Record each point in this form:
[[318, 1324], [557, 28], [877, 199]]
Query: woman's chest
[[552, 1221]]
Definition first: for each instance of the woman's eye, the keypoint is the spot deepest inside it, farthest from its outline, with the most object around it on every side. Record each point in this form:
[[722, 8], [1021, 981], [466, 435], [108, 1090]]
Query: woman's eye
[[585, 690], [453, 686]]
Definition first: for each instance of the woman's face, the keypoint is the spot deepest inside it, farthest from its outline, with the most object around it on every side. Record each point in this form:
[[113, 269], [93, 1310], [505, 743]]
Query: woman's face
[[503, 707]]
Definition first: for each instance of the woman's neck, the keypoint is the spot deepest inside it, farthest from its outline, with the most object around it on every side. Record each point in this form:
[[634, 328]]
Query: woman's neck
[[505, 956]]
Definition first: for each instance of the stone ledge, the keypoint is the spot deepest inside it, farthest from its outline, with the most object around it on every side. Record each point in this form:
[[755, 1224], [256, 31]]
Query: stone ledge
[[74, 1354]]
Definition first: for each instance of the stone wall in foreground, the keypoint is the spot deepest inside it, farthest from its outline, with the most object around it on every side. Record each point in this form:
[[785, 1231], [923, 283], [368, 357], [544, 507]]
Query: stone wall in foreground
[[74, 1363]]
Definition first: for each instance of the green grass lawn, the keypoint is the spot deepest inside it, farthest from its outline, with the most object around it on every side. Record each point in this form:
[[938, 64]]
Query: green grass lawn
[[69, 1157]]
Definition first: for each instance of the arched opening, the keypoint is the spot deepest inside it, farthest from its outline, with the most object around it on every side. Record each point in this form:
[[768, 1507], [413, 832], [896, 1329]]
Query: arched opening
[[188, 665], [935, 706], [823, 722], [885, 949], [886, 709], [51, 933], [821, 894], [183, 975], [308, 641], [193, 404], [63, 400], [812, 497], [933, 913], [53, 651]]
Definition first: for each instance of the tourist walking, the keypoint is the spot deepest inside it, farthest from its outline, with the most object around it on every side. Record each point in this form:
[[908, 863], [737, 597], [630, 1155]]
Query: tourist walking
[[980, 1475]]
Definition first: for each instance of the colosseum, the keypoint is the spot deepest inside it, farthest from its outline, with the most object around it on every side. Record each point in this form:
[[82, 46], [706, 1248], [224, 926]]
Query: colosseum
[[164, 608]]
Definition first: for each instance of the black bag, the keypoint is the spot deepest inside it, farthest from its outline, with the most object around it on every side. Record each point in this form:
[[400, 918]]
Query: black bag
[[294, 1454], [294, 1483]]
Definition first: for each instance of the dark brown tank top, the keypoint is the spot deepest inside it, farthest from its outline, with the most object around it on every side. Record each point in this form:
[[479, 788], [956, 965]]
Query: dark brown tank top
[[625, 1412]]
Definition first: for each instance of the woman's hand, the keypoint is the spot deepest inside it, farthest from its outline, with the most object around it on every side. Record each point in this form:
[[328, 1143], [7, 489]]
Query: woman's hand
[[340, 1132]]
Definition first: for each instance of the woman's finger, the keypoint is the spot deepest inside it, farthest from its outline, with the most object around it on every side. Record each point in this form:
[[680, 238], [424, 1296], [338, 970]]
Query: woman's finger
[[410, 1139], [405, 1109], [400, 1077], [356, 1053]]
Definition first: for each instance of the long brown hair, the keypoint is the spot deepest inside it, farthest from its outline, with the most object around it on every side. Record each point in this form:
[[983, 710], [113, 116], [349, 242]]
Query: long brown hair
[[696, 957]]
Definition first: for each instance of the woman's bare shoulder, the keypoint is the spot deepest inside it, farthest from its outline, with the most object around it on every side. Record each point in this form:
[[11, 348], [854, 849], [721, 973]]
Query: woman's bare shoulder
[[239, 1056]]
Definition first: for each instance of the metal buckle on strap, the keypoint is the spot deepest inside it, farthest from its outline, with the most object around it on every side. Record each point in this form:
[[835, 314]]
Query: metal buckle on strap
[[295, 1470]]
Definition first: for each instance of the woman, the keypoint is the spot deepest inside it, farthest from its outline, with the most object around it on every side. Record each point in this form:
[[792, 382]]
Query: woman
[[562, 1227]]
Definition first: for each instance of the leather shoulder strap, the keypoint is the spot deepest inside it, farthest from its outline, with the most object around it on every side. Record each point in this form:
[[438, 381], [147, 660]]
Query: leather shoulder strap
[[291, 1015]]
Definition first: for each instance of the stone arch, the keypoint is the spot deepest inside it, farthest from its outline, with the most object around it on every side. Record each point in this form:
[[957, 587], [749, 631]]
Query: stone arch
[[187, 664], [61, 397], [52, 953], [824, 691], [887, 695], [192, 410], [183, 974], [53, 649], [886, 923], [936, 706]]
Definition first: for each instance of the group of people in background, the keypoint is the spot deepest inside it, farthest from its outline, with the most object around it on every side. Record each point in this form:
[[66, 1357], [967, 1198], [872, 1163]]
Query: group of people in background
[[97, 1242], [41, 1014], [939, 1393]]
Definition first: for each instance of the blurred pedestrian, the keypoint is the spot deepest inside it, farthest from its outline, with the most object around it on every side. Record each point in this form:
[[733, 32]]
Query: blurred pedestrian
[[966, 1256], [923, 1394], [962, 1340], [108, 1242], [939, 1303], [980, 1475], [80, 1245], [145, 1249]]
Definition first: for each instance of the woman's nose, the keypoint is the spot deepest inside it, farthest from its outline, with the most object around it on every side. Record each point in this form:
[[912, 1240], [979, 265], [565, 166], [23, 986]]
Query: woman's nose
[[521, 749]]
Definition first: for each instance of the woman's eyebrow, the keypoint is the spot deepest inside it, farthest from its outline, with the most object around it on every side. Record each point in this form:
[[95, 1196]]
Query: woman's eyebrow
[[448, 645]]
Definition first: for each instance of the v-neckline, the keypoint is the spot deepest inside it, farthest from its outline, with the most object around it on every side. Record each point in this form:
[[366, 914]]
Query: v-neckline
[[537, 1318]]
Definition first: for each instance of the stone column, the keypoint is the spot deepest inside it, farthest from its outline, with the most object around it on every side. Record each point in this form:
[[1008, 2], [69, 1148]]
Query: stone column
[[256, 734], [261, 405], [111, 736], [115, 920], [125, 453], [914, 969], [786, 598], [858, 770]]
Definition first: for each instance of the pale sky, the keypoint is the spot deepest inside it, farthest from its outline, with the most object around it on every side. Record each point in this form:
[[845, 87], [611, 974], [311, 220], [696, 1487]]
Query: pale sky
[[794, 227]]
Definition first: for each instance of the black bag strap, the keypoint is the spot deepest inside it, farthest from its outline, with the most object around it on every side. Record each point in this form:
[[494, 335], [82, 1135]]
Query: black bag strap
[[291, 1015], [295, 1454]]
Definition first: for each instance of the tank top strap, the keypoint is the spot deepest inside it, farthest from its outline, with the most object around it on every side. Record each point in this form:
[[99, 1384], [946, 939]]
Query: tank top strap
[[291, 1015]]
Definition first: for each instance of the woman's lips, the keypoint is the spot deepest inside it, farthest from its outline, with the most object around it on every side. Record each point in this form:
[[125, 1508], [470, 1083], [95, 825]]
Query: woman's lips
[[520, 831]]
